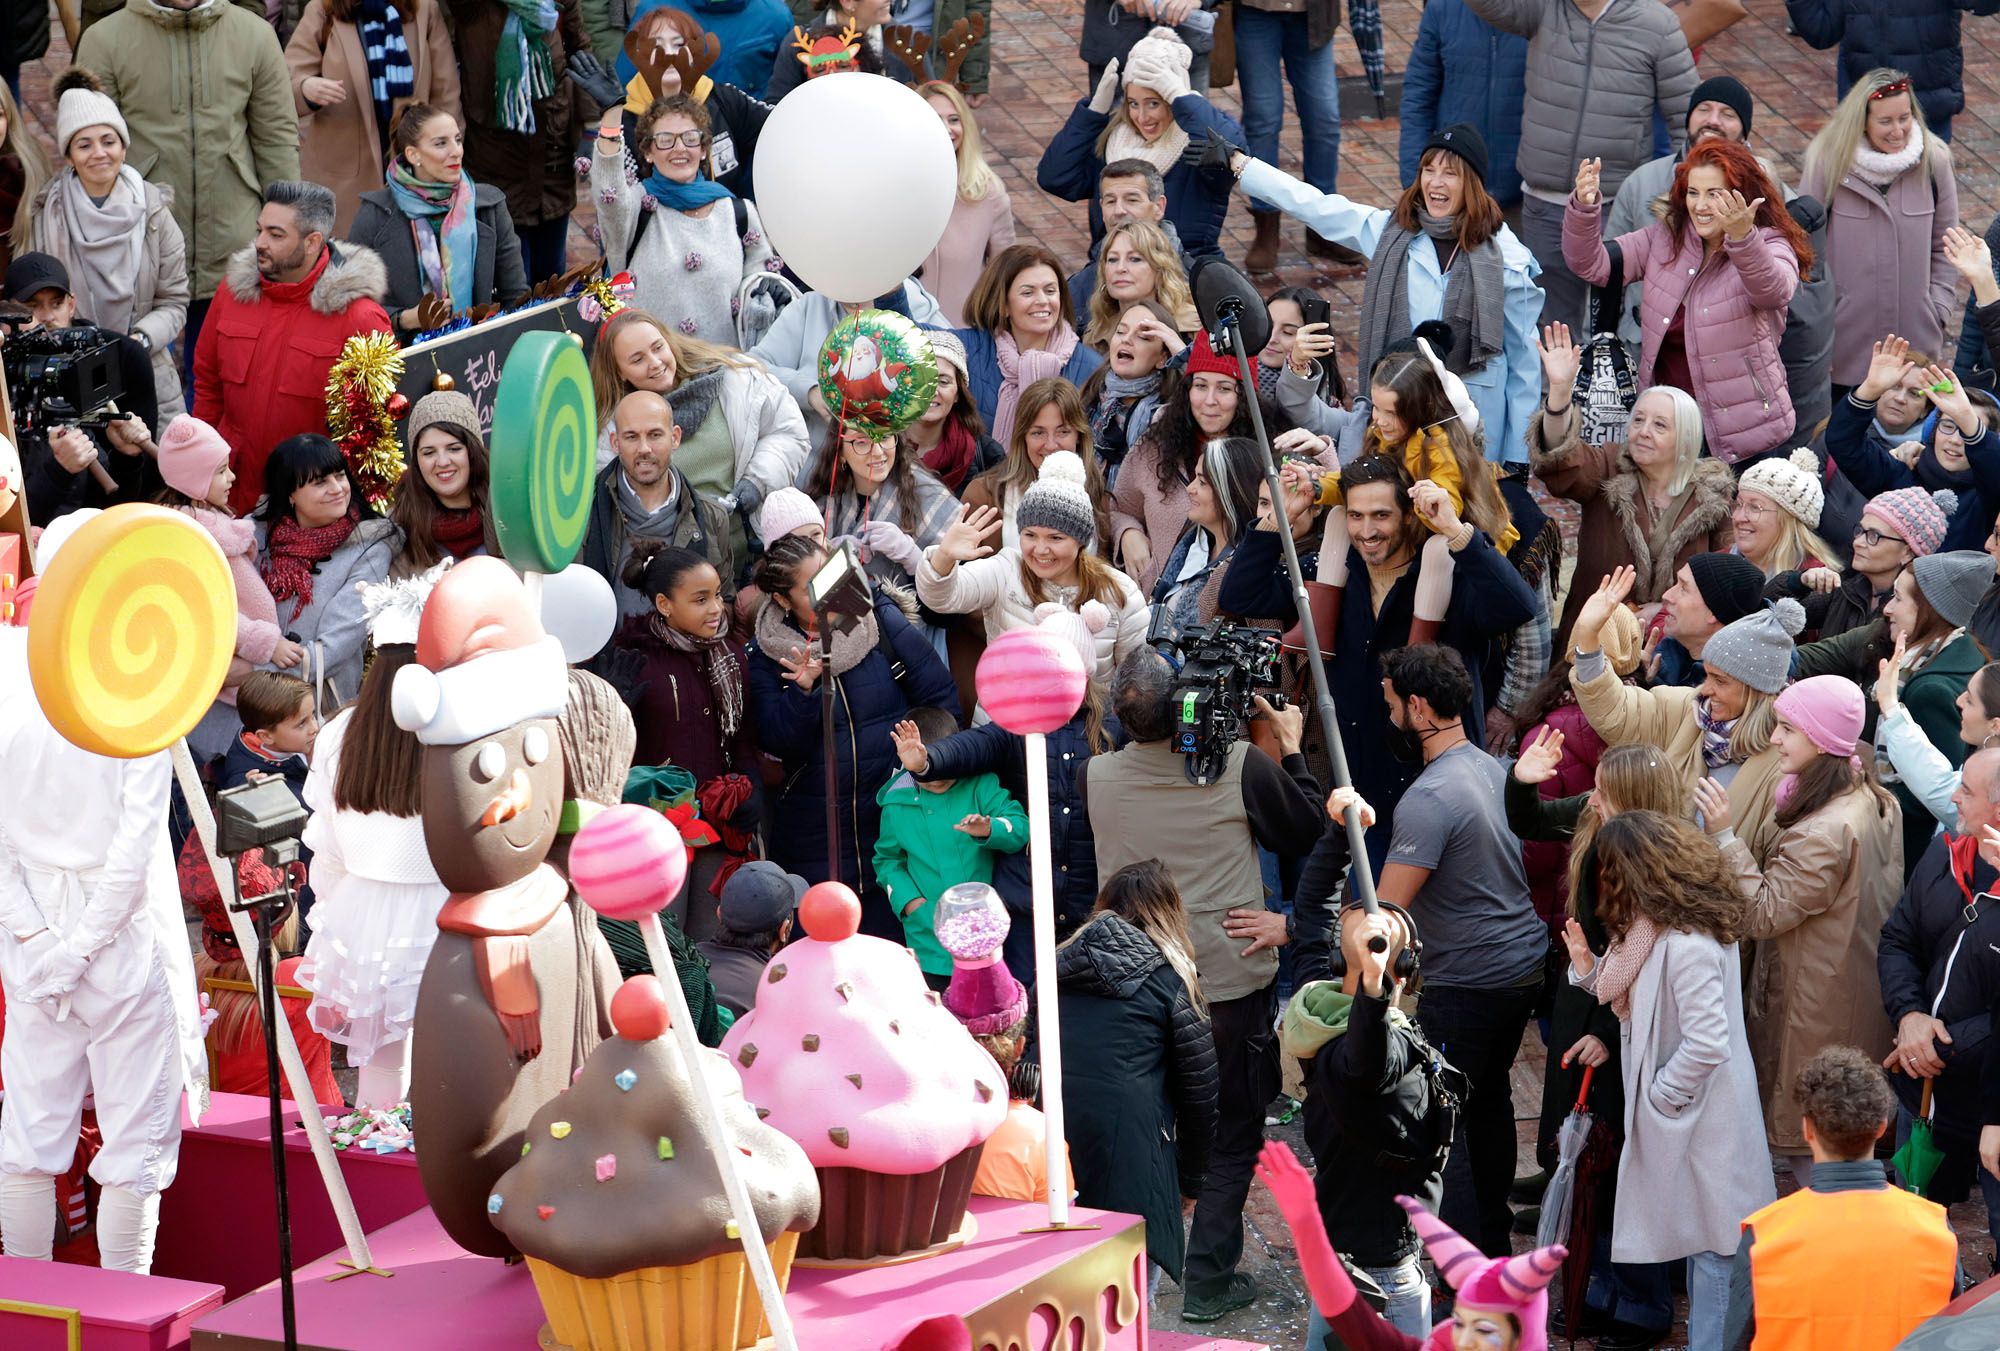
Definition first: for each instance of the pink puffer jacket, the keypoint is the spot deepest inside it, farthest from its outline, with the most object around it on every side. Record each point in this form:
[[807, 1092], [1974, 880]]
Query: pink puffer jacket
[[1735, 317]]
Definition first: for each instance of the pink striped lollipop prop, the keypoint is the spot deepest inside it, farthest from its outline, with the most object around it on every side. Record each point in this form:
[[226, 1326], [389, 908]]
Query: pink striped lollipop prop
[[1031, 681], [629, 862]]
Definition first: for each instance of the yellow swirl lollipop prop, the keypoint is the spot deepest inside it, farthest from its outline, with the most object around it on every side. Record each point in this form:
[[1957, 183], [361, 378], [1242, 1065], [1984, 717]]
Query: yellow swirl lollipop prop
[[544, 453], [132, 631]]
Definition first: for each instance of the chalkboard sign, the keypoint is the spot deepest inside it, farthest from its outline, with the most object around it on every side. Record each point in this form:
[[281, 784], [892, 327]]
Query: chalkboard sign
[[473, 356]]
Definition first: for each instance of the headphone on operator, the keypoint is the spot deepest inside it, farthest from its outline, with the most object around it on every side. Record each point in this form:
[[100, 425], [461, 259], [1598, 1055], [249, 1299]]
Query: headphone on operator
[[1407, 960]]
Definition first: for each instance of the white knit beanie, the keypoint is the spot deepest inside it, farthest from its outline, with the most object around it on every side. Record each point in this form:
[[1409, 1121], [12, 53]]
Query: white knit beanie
[[1793, 483], [1059, 499], [82, 108], [1161, 44]]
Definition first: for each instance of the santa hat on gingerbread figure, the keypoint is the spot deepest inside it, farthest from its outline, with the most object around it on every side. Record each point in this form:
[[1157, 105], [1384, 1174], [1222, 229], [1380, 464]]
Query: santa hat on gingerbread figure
[[1516, 1287], [483, 663]]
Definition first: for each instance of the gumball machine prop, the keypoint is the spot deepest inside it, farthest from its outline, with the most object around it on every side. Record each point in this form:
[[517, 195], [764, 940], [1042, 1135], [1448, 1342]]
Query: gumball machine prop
[[628, 863], [1031, 682]]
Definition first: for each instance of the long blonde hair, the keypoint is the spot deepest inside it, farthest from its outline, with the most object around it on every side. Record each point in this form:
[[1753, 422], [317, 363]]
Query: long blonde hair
[[692, 357], [1170, 286], [1831, 153], [1636, 777], [20, 142], [976, 179]]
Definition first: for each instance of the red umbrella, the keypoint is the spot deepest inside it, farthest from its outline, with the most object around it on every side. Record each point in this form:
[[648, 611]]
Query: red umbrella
[[1586, 1155]]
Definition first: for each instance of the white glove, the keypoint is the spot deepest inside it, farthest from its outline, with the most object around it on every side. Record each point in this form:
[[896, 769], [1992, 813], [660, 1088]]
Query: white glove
[[56, 974], [1162, 77], [1106, 95], [893, 543]]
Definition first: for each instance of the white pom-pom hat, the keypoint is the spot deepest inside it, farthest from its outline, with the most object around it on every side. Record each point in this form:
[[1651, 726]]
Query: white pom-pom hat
[[1059, 500]]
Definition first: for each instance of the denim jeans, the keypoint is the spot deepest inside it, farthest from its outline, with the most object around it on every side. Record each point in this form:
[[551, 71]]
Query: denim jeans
[[1408, 1309], [1708, 1299], [1263, 40]]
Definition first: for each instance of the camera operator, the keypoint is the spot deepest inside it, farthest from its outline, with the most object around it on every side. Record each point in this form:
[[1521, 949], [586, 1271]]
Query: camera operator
[[66, 466], [1142, 806]]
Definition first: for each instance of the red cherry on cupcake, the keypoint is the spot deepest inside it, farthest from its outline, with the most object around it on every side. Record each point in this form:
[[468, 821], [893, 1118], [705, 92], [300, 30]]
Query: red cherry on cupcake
[[639, 1009], [830, 911]]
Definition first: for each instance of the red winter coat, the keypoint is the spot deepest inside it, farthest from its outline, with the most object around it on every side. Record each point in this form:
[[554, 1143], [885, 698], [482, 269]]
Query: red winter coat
[[1736, 305], [1547, 861], [260, 367]]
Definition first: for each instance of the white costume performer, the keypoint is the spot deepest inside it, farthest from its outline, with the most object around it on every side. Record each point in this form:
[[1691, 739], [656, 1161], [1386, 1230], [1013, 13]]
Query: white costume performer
[[98, 975]]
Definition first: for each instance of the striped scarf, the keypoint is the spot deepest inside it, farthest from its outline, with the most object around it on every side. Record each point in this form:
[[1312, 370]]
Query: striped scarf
[[390, 75], [524, 69]]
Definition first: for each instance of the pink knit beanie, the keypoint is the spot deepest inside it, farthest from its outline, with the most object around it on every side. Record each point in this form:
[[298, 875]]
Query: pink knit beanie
[[1829, 709], [190, 453], [784, 511], [1920, 517]]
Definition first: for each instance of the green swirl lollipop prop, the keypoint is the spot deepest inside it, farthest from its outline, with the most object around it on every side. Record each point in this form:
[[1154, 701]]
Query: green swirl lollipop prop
[[877, 372], [544, 453]]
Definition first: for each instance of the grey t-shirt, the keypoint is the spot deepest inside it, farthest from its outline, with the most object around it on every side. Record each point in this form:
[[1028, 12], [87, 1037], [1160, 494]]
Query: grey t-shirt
[[1479, 927]]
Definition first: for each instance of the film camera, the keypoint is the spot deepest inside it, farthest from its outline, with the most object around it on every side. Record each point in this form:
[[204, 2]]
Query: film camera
[[1220, 669], [61, 377]]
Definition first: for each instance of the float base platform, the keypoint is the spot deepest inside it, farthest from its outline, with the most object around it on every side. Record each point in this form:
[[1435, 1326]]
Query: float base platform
[[219, 1221], [1201, 1341], [52, 1306], [1016, 1291]]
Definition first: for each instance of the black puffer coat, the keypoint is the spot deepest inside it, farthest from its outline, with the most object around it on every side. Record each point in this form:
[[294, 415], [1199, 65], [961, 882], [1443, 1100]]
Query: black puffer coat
[[1918, 36], [1138, 1081]]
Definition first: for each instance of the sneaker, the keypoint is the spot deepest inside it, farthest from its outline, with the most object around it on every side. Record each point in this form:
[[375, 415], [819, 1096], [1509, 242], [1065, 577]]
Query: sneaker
[[1284, 1113], [1528, 1190], [1238, 1292], [1619, 1336]]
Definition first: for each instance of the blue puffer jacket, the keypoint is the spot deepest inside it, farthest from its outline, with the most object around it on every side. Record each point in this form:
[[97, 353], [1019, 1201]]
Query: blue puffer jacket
[[982, 368], [1917, 36], [991, 749], [1197, 197], [868, 701], [1463, 69]]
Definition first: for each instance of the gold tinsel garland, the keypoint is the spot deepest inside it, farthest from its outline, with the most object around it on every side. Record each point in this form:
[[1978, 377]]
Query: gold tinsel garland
[[362, 409]]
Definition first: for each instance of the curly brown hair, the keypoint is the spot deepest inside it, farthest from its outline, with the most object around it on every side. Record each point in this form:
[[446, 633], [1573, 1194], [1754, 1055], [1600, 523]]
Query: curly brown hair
[[1845, 1095], [1650, 864]]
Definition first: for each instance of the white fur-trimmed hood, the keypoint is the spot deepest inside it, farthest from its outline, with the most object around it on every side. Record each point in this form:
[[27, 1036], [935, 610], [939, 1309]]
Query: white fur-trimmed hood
[[352, 273]]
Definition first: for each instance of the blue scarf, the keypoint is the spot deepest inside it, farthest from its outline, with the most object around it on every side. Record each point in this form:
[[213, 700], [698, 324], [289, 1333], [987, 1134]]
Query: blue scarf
[[684, 196], [390, 76]]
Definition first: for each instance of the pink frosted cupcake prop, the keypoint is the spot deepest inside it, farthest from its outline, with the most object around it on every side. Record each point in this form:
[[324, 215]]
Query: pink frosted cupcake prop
[[850, 1054]]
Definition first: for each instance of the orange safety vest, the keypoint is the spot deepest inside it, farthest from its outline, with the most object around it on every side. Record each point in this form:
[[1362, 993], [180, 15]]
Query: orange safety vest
[[1848, 1270]]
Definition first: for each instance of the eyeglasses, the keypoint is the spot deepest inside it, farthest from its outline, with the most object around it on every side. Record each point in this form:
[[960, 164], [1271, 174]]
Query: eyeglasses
[[862, 448], [1753, 511], [1870, 537], [667, 140], [1945, 424]]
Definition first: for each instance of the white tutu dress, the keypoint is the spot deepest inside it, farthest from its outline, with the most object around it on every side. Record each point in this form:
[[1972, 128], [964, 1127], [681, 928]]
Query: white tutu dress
[[375, 914]]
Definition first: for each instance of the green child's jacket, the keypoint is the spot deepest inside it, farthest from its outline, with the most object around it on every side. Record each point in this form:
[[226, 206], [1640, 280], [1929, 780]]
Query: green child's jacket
[[920, 853]]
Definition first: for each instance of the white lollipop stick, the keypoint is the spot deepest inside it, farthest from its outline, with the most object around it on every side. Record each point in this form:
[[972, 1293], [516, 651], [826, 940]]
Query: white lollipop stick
[[694, 1053], [296, 1078], [1041, 872]]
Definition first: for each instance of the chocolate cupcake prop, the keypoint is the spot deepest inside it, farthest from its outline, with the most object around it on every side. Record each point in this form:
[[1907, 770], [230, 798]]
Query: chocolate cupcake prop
[[850, 1054], [619, 1199]]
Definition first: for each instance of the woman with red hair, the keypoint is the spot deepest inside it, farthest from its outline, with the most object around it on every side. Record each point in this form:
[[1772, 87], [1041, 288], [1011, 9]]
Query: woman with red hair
[[1719, 269]]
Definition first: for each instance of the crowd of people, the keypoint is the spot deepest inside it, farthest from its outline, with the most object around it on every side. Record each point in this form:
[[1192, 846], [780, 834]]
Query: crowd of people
[[1705, 786]]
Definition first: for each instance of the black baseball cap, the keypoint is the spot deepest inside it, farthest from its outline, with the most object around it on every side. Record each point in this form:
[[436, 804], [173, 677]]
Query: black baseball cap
[[32, 273]]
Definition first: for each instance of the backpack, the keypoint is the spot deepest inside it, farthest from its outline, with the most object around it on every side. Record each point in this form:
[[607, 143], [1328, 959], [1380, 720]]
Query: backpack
[[1605, 387], [1417, 1147]]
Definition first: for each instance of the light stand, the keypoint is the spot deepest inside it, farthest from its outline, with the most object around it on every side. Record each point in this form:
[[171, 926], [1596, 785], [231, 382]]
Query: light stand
[[1224, 299], [264, 814], [841, 595]]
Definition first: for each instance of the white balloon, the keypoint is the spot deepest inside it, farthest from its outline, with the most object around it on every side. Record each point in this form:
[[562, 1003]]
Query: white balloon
[[855, 181], [579, 611]]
